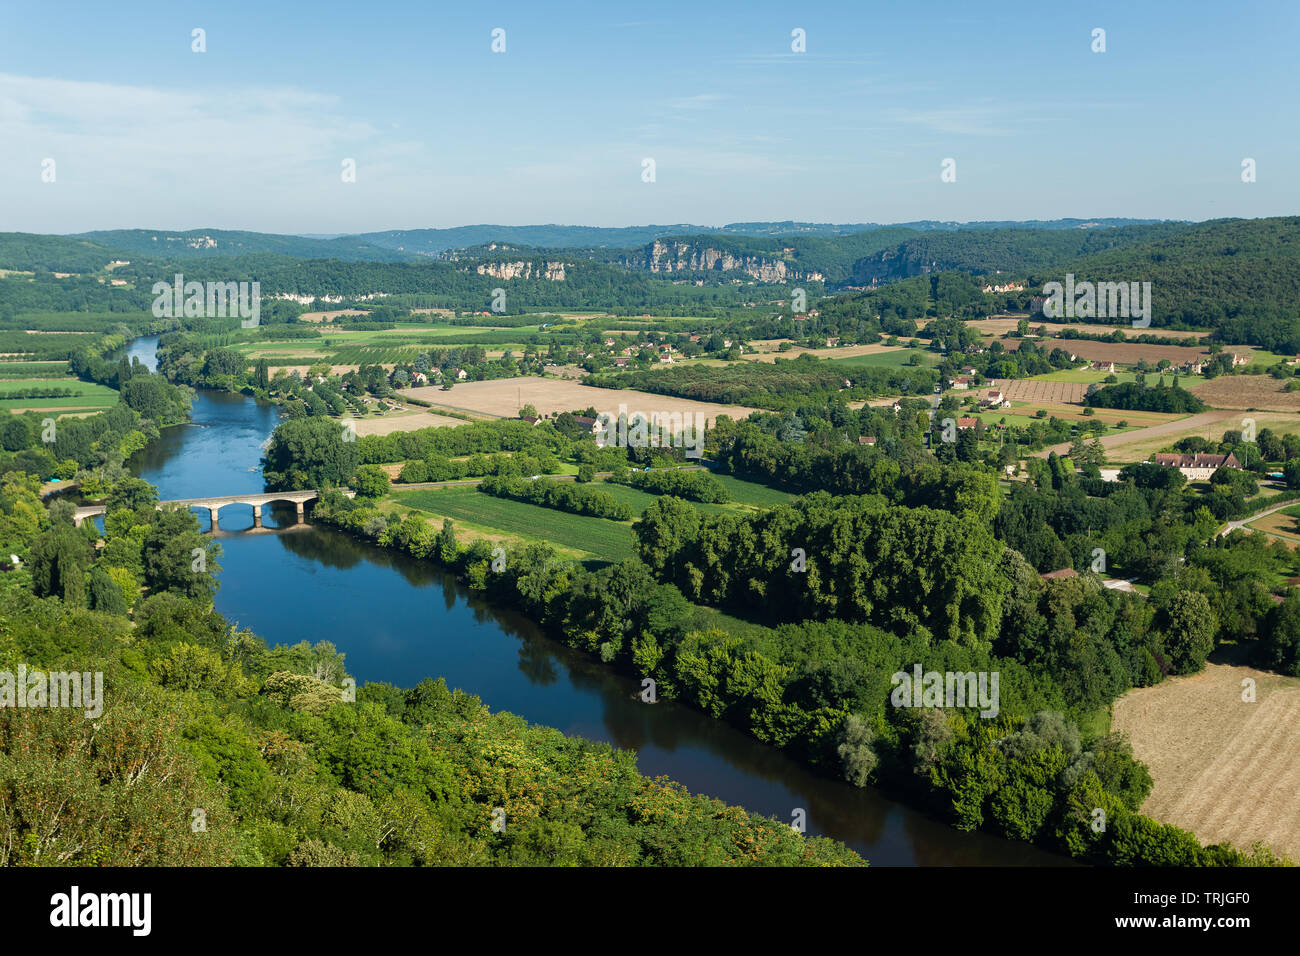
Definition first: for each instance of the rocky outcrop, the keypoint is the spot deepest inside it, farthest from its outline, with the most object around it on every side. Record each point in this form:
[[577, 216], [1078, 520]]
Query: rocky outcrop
[[523, 269], [672, 256]]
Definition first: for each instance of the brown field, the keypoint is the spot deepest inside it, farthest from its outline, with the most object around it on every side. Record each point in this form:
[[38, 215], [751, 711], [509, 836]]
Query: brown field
[[1246, 391], [1122, 353], [405, 423], [504, 397], [1037, 391], [1228, 771], [1280, 526], [1001, 324], [766, 351]]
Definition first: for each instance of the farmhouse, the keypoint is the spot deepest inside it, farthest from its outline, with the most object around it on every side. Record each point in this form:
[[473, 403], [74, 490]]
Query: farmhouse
[[1198, 467], [966, 422], [960, 383], [1104, 367], [866, 439], [593, 425], [995, 399]]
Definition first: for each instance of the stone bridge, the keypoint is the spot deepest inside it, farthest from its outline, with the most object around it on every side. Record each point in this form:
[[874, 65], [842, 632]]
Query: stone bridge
[[215, 504]]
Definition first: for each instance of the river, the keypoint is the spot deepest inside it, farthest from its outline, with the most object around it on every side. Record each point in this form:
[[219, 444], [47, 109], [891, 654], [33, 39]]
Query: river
[[401, 620]]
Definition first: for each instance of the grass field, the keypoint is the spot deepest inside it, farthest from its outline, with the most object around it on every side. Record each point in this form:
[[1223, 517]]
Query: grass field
[[893, 358], [506, 520], [86, 395], [1084, 375], [1226, 769], [598, 538]]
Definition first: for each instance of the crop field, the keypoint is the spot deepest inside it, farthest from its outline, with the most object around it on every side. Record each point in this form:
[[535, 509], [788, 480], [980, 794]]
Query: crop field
[[884, 357], [1122, 353], [598, 537], [404, 422], [46, 371], [1226, 769], [502, 398], [1002, 324], [86, 395], [874, 355], [1280, 524], [1084, 375], [1038, 391], [1246, 391], [751, 493]]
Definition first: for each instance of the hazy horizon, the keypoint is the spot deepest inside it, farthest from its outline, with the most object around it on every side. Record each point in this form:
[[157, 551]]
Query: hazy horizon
[[763, 113]]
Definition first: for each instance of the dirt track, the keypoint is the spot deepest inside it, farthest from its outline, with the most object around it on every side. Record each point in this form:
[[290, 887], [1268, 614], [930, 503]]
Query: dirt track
[[1142, 441]]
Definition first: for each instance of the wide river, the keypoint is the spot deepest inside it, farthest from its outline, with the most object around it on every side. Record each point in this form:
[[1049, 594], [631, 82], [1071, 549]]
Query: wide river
[[401, 620]]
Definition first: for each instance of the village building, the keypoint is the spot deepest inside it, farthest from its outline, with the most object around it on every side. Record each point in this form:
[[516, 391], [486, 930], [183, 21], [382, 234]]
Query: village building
[[590, 425], [1198, 467]]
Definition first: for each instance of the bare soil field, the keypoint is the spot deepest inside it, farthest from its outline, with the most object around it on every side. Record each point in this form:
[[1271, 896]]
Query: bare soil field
[[1227, 770], [405, 423], [1123, 353], [503, 398], [1246, 391]]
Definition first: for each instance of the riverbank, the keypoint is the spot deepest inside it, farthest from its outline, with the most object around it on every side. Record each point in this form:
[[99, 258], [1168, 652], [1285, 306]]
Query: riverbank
[[724, 678]]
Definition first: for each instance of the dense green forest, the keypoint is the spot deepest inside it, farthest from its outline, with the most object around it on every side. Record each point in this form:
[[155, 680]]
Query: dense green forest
[[895, 560]]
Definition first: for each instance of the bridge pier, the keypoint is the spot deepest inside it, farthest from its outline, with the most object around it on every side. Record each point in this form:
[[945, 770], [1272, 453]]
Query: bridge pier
[[301, 510], [257, 516], [212, 513]]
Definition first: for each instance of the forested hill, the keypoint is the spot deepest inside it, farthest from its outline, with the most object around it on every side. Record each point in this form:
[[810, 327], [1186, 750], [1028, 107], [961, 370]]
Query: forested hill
[[1238, 277], [984, 252], [434, 241], [214, 243]]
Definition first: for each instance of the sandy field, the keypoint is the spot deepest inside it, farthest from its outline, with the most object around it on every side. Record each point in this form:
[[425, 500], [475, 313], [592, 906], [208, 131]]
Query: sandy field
[[1227, 770], [1246, 391], [767, 351], [405, 423], [504, 397]]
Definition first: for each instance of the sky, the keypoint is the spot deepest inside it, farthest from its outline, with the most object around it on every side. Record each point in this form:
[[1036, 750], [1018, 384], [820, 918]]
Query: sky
[[254, 133]]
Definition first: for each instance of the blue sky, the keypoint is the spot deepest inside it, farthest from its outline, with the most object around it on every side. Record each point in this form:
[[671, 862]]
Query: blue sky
[[252, 133]]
